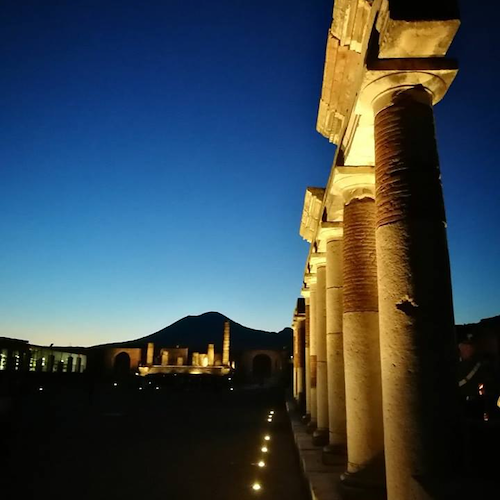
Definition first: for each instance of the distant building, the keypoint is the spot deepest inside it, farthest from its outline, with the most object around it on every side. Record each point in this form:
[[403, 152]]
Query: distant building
[[20, 355]]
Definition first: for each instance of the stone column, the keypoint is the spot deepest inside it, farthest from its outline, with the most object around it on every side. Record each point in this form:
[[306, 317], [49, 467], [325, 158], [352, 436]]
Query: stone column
[[313, 423], [320, 436], [164, 358], [150, 353], [418, 346], [307, 359], [336, 450], [211, 354], [300, 360], [226, 343], [295, 349], [365, 434]]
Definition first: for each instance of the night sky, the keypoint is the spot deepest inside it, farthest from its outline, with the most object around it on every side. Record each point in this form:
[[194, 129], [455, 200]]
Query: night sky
[[155, 154]]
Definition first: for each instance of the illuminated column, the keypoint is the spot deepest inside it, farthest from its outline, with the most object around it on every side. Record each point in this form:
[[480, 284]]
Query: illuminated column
[[365, 435], [150, 353], [196, 359], [307, 359], [226, 343], [418, 347], [336, 449], [180, 361], [313, 423], [295, 350], [301, 325], [211, 354], [320, 436], [164, 358]]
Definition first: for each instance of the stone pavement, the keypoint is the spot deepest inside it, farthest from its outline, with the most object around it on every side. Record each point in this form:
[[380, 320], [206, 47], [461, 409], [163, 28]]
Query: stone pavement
[[151, 444], [322, 479]]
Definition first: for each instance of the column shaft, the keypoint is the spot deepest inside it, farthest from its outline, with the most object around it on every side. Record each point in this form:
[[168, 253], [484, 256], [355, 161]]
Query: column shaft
[[322, 375], [295, 350], [226, 343], [150, 353], [300, 360], [313, 355], [365, 436], [334, 345], [418, 347], [307, 360], [211, 354]]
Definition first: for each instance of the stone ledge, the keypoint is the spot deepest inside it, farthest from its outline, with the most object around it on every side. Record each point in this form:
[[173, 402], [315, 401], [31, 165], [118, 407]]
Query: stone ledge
[[322, 479]]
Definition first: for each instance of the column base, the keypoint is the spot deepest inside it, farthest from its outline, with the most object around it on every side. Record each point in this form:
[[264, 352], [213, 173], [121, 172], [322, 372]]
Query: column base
[[367, 483], [334, 454], [301, 402], [320, 437], [311, 427]]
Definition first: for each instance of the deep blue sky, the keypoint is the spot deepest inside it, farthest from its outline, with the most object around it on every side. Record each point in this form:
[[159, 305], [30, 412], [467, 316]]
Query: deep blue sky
[[154, 157]]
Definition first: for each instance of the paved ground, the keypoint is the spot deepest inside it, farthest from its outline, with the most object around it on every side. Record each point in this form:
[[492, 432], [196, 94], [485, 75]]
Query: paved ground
[[149, 444]]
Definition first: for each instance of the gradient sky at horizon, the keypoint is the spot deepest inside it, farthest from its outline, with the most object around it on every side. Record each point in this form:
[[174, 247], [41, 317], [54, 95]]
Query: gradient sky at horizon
[[155, 155]]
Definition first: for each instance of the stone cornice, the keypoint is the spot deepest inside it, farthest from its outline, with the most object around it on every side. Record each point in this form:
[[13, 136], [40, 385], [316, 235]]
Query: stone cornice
[[311, 213], [405, 30]]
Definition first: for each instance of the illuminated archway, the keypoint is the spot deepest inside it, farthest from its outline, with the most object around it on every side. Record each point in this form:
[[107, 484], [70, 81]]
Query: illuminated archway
[[121, 365]]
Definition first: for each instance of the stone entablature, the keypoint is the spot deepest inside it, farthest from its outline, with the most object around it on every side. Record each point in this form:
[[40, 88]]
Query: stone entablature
[[311, 213], [364, 30]]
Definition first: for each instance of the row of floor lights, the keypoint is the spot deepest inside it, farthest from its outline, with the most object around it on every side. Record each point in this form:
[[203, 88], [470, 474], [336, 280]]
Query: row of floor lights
[[257, 486]]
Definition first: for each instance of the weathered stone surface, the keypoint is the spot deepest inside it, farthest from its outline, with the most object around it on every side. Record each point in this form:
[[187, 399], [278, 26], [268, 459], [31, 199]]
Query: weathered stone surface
[[416, 310]]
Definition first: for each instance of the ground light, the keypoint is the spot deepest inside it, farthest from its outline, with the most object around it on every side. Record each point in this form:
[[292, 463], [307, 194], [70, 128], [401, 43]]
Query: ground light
[[256, 486], [261, 463], [267, 438], [40, 388], [115, 384], [271, 412]]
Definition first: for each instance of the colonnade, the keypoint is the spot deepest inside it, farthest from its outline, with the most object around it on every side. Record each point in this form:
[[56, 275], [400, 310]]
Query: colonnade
[[378, 382]]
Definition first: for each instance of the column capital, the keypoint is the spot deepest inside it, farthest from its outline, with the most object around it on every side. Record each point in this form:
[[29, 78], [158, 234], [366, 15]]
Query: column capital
[[354, 182], [331, 231], [386, 78], [310, 279], [316, 260]]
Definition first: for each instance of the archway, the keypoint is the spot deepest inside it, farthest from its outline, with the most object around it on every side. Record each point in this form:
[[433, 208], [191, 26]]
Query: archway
[[121, 365], [262, 366]]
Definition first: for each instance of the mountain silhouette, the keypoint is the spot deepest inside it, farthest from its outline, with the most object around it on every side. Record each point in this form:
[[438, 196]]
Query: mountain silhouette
[[196, 332]]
